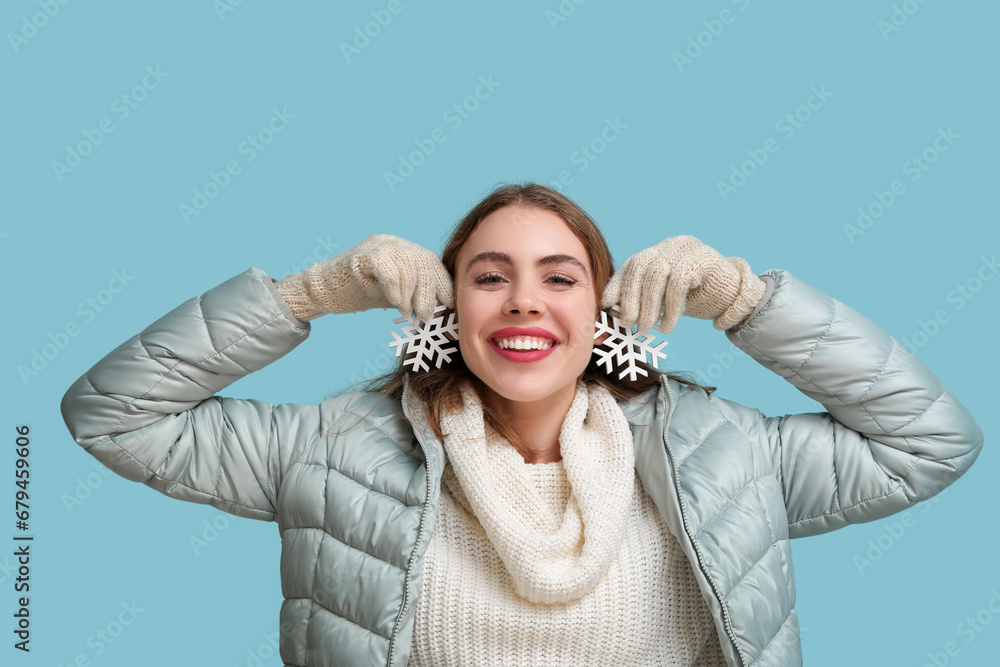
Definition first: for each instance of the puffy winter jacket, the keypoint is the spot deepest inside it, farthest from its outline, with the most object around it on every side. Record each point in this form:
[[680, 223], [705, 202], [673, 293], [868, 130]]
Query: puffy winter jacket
[[354, 482]]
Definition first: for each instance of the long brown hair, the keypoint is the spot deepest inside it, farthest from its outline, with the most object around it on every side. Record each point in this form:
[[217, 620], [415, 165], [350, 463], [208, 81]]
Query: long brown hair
[[438, 388]]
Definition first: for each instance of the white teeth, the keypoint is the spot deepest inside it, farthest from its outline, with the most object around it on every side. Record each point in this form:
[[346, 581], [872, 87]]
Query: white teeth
[[524, 343]]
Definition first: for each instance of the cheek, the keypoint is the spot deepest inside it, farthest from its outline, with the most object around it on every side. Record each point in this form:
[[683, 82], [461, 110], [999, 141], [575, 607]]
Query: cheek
[[469, 315], [584, 329], [478, 305]]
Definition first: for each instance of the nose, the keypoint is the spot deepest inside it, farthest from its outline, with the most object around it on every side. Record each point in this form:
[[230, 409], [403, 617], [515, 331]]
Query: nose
[[523, 299]]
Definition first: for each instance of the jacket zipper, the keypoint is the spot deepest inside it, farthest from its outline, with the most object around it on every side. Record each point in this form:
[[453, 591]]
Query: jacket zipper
[[687, 527], [420, 532]]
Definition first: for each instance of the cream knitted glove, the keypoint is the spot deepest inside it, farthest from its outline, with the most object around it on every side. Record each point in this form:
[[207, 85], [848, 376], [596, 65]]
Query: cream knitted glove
[[382, 271], [681, 275]]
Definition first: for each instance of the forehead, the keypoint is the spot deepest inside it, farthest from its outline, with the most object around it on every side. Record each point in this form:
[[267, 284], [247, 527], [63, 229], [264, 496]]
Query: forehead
[[523, 233]]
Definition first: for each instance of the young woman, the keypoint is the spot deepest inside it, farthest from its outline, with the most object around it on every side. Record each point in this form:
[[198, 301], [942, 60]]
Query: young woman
[[519, 505]]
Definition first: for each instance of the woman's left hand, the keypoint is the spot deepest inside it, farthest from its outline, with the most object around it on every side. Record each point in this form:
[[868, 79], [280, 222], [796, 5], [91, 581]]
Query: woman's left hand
[[682, 276]]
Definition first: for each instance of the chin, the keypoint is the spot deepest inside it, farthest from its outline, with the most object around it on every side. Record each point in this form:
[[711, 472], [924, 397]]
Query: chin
[[525, 389], [525, 395], [529, 385]]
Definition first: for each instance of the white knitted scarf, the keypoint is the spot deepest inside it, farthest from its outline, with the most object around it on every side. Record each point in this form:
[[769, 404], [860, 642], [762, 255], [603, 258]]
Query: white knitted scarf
[[568, 561]]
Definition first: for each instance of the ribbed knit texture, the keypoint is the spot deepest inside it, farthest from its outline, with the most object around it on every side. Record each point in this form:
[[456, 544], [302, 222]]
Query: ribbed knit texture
[[683, 276], [382, 271], [549, 563], [626, 589]]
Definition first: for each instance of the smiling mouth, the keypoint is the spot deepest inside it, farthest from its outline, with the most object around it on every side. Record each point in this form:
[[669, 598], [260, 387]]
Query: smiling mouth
[[523, 343]]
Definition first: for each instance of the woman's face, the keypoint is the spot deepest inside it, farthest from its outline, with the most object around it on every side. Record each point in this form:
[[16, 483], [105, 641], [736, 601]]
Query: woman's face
[[523, 271]]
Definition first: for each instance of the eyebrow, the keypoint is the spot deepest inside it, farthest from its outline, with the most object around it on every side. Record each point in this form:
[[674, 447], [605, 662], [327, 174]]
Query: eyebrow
[[505, 258]]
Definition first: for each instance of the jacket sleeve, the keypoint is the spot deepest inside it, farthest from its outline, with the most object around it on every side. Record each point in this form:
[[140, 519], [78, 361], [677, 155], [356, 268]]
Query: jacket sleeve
[[892, 434], [148, 411]]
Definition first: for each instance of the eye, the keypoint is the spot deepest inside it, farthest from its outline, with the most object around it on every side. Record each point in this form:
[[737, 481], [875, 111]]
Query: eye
[[494, 278], [561, 279], [489, 278]]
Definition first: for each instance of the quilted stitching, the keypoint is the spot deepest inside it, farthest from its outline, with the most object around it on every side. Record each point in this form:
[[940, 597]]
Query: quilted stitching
[[395, 483]]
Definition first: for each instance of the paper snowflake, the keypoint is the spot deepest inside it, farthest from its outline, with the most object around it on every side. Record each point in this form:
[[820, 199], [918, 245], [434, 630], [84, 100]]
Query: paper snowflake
[[624, 348], [426, 340]]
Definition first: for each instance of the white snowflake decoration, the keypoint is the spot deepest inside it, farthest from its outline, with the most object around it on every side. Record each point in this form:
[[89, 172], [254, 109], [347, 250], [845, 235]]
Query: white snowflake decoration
[[427, 340], [625, 348]]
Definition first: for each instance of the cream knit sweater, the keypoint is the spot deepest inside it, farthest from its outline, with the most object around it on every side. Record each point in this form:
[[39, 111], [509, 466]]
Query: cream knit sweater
[[565, 563]]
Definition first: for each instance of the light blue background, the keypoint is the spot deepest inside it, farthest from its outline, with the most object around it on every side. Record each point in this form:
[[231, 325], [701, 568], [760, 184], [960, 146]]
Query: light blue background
[[320, 188]]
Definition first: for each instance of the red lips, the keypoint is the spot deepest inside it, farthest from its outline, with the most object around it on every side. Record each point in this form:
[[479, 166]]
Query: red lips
[[523, 356]]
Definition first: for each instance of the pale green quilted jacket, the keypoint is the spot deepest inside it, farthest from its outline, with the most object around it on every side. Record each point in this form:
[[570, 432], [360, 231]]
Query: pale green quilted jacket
[[355, 507]]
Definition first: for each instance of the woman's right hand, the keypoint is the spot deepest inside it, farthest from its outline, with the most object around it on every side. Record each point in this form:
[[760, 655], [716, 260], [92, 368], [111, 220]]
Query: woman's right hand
[[383, 271]]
